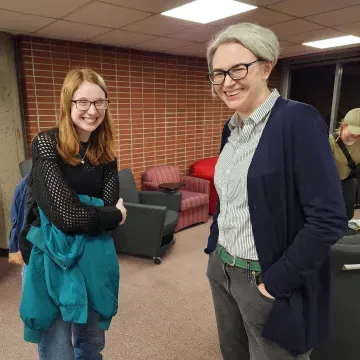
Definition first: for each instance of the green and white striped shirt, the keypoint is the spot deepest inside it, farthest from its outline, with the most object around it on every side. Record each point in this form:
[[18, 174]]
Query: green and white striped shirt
[[235, 229]]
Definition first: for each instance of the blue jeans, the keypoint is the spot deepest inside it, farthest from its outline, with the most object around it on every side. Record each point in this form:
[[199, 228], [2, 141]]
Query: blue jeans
[[88, 341], [67, 341]]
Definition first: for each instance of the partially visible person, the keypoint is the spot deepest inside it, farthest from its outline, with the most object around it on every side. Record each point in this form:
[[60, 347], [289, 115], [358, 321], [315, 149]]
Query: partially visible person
[[17, 215], [345, 146], [75, 198], [280, 208]]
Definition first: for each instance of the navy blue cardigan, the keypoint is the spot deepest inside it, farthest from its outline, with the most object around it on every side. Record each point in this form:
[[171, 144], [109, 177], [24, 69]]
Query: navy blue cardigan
[[297, 212]]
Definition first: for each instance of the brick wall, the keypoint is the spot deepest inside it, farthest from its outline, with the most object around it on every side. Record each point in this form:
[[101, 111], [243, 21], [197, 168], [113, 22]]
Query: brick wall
[[161, 104]]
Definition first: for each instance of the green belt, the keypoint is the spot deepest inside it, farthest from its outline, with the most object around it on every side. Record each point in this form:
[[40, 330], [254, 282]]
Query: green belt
[[251, 265]]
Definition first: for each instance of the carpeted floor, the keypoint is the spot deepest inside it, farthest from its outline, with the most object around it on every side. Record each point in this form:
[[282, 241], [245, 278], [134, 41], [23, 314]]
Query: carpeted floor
[[165, 311]]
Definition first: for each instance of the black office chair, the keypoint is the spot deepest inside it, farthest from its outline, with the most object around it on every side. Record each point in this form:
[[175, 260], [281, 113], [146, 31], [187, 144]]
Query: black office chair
[[345, 309], [152, 217], [25, 167]]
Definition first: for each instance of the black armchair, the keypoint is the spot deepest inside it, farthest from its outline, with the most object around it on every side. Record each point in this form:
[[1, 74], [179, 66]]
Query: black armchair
[[152, 217], [345, 309]]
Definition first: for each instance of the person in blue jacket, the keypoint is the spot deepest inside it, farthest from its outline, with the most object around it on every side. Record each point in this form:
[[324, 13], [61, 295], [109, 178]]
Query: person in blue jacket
[[77, 158], [17, 215], [280, 208]]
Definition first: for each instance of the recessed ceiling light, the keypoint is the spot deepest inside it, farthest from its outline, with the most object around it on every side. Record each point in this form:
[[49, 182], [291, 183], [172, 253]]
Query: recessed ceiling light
[[334, 42], [205, 11]]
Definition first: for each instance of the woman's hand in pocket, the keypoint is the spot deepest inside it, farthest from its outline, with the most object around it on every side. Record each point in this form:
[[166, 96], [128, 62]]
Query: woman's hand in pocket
[[263, 291]]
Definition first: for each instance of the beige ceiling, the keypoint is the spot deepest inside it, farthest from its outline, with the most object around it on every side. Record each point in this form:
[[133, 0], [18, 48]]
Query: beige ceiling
[[138, 23]]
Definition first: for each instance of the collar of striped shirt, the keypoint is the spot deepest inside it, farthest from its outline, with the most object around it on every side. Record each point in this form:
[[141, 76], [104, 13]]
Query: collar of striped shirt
[[258, 114]]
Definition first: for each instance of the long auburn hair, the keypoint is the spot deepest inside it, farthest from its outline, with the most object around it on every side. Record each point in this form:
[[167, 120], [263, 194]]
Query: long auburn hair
[[101, 147]]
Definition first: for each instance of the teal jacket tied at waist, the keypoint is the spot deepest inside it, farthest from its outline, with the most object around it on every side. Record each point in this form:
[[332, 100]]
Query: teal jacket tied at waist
[[68, 274]]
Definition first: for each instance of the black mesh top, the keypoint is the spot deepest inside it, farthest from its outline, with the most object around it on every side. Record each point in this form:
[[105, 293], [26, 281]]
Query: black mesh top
[[55, 185]]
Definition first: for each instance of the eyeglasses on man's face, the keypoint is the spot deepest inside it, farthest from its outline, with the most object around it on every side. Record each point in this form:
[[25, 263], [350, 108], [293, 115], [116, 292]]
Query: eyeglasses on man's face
[[84, 105], [236, 72]]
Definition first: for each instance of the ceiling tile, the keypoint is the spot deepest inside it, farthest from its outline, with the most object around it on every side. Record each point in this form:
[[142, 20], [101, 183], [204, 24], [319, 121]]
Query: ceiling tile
[[122, 38], [13, 32], [352, 29], [154, 6], [310, 7], [200, 33], [159, 25], [297, 50], [313, 36], [43, 7], [102, 14], [162, 43], [285, 44], [291, 27], [199, 47], [71, 30], [259, 16], [193, 49], [337, 17], [11, 20], [259, 2]]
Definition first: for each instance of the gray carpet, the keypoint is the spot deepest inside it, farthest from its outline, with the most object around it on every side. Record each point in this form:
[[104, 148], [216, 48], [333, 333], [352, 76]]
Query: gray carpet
[[165, 311]]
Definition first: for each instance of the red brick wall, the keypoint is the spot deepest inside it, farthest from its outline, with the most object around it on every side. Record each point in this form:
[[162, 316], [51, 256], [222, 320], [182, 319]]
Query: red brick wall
[[161, 104]]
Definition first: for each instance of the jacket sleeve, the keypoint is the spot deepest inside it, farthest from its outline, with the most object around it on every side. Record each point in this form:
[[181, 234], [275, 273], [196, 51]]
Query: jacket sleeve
[[37, 309], [214, 229], [14, 213], [17, 213], [58, 200], [318, 186]]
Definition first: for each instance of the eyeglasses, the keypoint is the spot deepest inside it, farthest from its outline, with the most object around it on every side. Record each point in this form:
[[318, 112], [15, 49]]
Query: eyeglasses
[[236, 72], [84, 105]]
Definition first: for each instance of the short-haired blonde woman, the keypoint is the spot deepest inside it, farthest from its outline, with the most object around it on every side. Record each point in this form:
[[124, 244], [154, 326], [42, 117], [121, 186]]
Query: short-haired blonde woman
[[280, 208], [76, 158]]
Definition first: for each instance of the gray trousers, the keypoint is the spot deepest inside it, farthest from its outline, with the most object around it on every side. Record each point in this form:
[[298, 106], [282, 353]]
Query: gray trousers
[[241, 312]]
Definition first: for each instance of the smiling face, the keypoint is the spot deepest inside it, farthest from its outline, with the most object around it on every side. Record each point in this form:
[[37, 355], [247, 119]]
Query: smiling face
[[347, 137], [87, 121], [247, 94]]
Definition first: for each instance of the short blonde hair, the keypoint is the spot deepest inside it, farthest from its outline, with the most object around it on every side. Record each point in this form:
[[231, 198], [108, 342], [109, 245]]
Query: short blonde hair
[[340, 127], [262, 42]]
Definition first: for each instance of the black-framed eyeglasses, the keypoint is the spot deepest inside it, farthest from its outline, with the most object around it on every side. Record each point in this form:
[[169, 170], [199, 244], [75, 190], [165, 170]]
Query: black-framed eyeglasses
[[236, 72], [84, 105]]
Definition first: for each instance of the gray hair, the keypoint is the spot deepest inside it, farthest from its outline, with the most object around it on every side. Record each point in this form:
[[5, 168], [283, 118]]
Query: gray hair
[[262, 42]]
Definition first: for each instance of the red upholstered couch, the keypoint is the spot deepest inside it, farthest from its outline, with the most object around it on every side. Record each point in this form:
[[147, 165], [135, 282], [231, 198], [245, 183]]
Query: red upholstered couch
[[205, 169], [195, 194]]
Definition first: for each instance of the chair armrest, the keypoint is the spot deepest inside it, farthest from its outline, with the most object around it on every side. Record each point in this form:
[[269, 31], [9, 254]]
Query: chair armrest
[[142, 232], [196, 184], [149, 186], [171, 200], [143, 209]]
